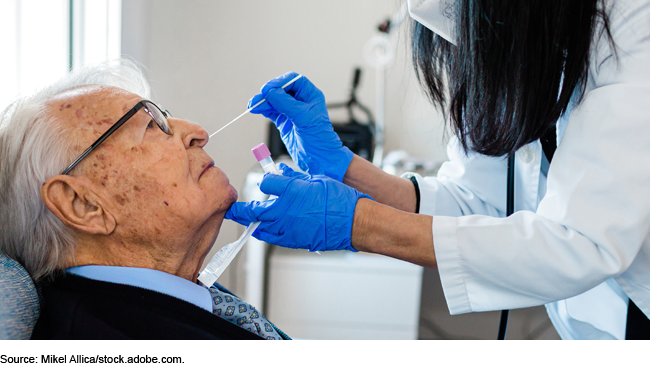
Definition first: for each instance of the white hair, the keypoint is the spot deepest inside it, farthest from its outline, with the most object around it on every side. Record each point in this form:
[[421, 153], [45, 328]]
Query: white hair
[[33, 148]]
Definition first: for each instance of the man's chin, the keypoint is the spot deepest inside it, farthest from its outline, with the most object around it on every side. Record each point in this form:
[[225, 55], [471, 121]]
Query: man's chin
[[225, 196], [234, 195]]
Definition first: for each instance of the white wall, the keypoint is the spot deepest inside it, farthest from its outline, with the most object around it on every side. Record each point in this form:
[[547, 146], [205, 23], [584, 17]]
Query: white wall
[[205, 59]]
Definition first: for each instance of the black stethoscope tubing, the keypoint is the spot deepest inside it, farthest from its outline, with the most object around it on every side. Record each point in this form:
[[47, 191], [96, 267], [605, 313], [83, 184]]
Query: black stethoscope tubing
[[510, 208]]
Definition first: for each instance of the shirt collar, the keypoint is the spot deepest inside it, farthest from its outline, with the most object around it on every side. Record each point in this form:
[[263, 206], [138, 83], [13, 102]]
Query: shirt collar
[[155, 280]]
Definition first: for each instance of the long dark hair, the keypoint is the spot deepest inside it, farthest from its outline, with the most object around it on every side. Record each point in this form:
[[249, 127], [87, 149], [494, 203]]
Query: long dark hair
[[514, 69]]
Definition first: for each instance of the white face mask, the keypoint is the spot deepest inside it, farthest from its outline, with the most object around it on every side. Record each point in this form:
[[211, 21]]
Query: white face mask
[[437, 15]]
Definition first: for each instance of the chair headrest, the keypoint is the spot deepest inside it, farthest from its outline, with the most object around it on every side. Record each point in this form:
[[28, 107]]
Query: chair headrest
[[19, 303]]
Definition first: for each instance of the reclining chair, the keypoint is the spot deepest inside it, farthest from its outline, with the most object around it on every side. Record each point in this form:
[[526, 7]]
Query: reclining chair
[[19, 302]]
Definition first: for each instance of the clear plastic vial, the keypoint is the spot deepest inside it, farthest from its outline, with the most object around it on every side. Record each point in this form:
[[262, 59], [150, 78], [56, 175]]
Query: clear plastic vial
[[263, 156]]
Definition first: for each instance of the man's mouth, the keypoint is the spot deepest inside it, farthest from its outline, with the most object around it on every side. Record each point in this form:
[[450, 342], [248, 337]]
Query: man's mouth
[[210, 165]]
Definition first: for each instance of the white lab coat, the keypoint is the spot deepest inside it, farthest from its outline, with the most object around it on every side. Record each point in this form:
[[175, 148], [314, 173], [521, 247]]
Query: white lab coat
[[581, 232]]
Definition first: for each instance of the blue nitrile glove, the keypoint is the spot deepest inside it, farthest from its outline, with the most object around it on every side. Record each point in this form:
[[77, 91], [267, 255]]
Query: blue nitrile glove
[[311, 212], [301, 117]]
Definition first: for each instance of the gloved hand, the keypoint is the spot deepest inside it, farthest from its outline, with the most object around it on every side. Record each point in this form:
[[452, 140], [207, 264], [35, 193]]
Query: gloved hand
[[311, 212], [301, 117]]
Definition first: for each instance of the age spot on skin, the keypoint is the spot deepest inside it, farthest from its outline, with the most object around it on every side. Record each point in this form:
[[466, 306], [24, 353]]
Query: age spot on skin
[[136, 188], [174, 185], [120, 199]]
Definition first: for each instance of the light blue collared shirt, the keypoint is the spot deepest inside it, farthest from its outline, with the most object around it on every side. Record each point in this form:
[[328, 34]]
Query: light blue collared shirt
[[155, 280]]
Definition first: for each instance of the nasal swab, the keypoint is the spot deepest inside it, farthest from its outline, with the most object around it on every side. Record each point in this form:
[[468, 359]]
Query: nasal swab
[[254, 106]]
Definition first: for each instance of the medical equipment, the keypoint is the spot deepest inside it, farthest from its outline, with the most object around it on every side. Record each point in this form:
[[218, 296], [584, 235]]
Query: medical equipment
[[254, 106], [379, 53], [220, 261], [263, 156], [355, 134]]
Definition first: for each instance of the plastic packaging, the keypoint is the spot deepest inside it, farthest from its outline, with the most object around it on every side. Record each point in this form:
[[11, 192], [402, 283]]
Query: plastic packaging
[[224, 257]]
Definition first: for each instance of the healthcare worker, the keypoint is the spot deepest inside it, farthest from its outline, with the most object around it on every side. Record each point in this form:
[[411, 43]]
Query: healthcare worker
[[514, 77]]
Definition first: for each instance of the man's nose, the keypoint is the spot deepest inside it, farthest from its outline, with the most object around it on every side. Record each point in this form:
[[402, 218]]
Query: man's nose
[[191, 134]]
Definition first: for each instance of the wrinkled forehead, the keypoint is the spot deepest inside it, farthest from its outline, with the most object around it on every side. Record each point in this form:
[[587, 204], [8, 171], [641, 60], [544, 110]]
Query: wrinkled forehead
[[87, 112], [91, 96]]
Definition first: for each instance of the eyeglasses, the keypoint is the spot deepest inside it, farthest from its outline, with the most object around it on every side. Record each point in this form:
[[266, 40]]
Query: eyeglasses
[[157, 115]]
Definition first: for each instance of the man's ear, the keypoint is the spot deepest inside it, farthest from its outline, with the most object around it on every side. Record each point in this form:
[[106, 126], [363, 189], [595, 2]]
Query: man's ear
[[72, 200]]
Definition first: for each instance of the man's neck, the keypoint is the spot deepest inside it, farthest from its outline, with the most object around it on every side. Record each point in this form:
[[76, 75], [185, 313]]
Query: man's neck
[[106, 253]]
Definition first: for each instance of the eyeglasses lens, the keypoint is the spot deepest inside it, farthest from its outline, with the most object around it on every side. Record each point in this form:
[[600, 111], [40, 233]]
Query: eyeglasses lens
[[158, 116]]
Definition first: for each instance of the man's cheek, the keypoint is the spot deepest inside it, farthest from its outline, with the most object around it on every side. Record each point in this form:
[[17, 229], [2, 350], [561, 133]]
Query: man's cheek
[[137, 199]]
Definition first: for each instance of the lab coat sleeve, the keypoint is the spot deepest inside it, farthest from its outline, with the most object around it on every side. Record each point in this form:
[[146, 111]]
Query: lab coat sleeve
[[595, 217], [466, 184]]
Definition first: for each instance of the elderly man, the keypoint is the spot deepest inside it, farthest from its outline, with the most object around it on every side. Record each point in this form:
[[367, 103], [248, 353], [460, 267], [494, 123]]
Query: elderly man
[[112, 206]]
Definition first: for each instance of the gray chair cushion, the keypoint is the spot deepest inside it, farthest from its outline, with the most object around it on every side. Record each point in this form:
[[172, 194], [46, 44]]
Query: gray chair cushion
[[19, 305]]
